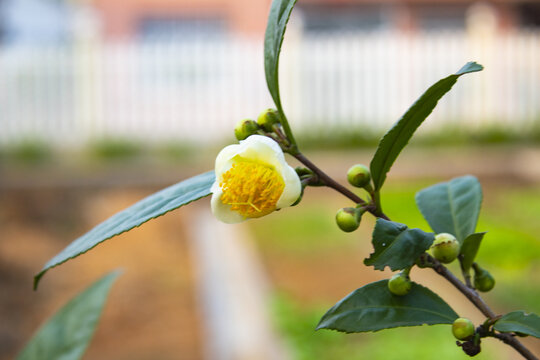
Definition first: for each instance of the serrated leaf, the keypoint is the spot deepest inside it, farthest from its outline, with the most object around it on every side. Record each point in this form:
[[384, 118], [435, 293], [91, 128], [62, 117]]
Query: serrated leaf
[[396, 246], [452, 207], [519, 321], [399, 135], [67, 334], [469, 249], [148, 208], [280, 11], [373, 308]]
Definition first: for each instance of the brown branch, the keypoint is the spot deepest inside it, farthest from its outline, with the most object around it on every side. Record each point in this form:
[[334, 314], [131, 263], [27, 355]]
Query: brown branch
[[331, 183], [513, 342]]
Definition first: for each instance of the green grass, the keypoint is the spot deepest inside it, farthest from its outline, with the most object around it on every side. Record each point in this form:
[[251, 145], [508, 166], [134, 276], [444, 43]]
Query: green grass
[[114, 149], [357, 137], [28, 152]]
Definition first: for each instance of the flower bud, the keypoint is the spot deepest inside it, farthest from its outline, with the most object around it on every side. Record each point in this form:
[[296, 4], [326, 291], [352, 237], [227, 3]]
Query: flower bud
[[268, 118], [359, 175], [483, 281], [445, 248], [245, 128], [463, 329], [348, 219], [400, 284]]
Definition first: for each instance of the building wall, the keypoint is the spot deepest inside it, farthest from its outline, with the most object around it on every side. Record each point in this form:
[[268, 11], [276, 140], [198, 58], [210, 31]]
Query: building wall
[[122, 18]]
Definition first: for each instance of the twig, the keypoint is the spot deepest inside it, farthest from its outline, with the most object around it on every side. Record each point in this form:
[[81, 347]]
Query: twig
[[331, 183], [473, 297], [465, 289], [513, 342]]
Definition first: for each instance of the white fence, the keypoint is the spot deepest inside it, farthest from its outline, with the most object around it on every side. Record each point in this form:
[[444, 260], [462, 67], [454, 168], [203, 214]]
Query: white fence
[[193, 90]]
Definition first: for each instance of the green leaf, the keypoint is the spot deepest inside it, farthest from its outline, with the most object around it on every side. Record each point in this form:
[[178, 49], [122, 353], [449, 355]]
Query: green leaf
[[396, 246], [66, 335], [373, 307], [280, 11], [469, 249], [148, 208], [452, 207], [519, 321], [399, 135]]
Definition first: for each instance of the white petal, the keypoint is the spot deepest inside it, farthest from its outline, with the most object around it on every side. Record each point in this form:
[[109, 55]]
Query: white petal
[[261, 149], [225, 156], [222, 211], [292, 189]]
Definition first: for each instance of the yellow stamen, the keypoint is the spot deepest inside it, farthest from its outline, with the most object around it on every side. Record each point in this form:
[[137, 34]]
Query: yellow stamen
[[251, 189]]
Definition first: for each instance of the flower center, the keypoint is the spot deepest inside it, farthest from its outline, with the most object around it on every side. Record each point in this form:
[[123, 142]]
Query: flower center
[[251, 189]]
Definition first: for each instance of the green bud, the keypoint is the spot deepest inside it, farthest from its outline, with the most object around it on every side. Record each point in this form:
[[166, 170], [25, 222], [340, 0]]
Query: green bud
[[268, 118], [302, 171], [245, 128], [463, 329], [400, 284], [359, 175], [348, 219], [483, 281], [445, 248]]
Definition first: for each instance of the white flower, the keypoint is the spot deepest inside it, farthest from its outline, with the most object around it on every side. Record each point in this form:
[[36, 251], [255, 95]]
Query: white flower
[[252, 180]]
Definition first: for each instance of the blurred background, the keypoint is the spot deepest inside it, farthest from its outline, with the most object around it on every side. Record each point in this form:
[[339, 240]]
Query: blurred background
[[104, 102]]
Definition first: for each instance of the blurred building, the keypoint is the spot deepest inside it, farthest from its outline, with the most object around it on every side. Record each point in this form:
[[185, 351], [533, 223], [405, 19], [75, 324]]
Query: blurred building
[[73, 70], [52, 21], [148, 18]]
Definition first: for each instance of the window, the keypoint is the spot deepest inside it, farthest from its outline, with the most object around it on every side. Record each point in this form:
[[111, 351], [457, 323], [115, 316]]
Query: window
[[330, 18], [179, 28]]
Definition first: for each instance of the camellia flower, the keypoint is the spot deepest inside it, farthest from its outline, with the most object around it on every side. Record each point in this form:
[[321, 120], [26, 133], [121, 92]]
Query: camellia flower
[[252, 180]]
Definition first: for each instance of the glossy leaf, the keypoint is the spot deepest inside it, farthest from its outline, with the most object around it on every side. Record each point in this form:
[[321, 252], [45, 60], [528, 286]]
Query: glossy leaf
[[519, 321], [399, 135], [469, 249], [452, 207], [67, 334], [373, 307], [396, 246], [280, 11], [148, 208]]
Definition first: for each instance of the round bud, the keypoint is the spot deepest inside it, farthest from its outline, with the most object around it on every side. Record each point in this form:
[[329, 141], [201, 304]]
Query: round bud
[[483, 281], [245, 128], [348, 219], [400, 284], [268, 118], [445, 248], [463, 329], [359, 175]]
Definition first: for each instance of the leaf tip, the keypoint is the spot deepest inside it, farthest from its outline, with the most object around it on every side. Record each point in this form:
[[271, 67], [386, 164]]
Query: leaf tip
[[471, 66], [37, 278]]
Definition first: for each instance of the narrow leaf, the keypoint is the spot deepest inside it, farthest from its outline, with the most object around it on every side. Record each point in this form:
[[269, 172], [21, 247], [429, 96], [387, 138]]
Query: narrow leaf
[[373, 307], [399, 135], [280, 11], [519, 321], [67, 334], [452, 207], [469, 249], [396, 246], [148, 208]]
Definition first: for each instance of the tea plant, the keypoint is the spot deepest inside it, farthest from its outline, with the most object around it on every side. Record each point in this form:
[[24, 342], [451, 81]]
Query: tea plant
[[252, 179]]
